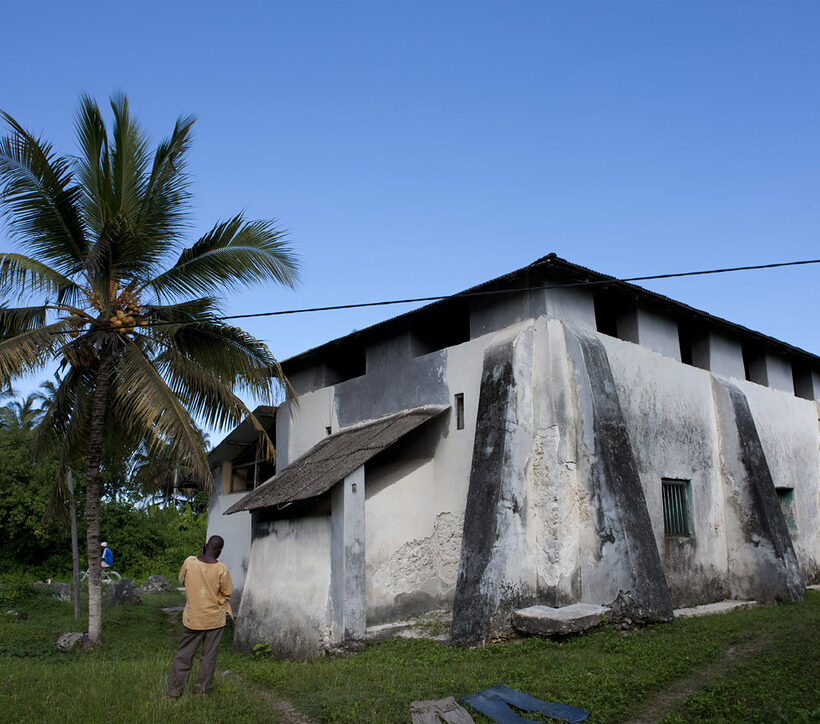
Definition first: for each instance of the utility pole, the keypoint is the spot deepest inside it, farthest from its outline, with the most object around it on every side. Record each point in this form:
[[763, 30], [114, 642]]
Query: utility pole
[[75, 552]]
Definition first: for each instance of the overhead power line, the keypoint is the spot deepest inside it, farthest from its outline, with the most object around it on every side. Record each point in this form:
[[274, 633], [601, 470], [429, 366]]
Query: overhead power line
[[485, 293], [462, 295]]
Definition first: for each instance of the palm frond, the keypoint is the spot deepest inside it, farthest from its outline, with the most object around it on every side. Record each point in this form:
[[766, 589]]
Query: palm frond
[[228, 353], [205, 395], [93, 167], [130, 159], [29, 350], [16, 320], [41, 203], [59, 497], [22, 275], [203, 309], [234, 254], [64, 423], [164, 207], [144, 401]]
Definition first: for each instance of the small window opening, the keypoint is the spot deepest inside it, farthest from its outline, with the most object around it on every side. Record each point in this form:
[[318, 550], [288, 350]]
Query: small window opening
[[460, 411], [240, 481], [448, 326], [616, 314], [754, 365], [345, 363], [327, 430], [677, 516], [786, 498], [606, 314], [685, 343], [803, 381]]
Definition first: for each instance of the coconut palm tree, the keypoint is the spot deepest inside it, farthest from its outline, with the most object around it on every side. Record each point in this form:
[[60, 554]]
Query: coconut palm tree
[[21, 414], [104, 284]]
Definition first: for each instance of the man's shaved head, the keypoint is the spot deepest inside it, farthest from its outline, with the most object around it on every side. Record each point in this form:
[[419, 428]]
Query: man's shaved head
[[215, 543]]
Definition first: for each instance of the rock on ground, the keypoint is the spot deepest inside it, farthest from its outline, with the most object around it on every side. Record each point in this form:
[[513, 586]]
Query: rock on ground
[[122, 593], [69, 641], [56, 589], [155, 584]]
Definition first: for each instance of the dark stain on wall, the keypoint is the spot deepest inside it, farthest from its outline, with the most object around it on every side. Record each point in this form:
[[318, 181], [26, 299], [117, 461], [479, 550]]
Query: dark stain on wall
[[473, 607], [615, 478], [407, 606], [284, 629], [690, 582], [400, 386], [765, 517]]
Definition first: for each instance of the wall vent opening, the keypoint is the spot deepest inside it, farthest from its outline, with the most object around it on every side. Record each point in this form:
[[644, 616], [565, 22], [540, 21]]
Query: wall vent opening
[[786, 498]]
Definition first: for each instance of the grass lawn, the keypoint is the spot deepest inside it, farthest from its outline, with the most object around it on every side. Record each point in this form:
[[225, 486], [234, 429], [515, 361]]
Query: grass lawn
[[748, 666]]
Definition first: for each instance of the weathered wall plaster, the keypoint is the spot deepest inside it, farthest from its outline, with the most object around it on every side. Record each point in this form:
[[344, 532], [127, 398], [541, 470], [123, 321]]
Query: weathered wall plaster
[[789, 432], [347, 558], [234, 529], [761, 562], [494, 575], [669, 414], [286, 598]]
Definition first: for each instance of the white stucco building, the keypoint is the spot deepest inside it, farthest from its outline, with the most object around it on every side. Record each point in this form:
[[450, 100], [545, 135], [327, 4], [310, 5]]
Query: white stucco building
[[552, 436]]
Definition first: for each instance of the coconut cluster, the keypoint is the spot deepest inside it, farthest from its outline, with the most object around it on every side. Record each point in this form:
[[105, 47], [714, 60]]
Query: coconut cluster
[[127, 315]]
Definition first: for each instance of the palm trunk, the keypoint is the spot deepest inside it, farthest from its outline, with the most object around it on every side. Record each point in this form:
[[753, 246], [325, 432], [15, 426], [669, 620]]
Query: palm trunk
[[75, 546], [92, 500]]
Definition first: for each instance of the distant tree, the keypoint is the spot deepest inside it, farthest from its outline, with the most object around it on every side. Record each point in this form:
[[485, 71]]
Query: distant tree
[[161, 477], [32, 539], [107, 289], [21, 414]]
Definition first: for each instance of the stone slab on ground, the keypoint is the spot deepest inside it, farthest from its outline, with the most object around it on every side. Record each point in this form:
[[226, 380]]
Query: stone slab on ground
[[708, 609], [814, 587], [549, 621], [172, 612]]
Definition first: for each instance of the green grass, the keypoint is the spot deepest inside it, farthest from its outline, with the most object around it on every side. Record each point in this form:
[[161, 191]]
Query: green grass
[[772, 676]]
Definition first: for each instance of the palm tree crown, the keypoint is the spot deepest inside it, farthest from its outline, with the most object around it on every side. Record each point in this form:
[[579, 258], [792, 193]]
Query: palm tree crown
[[105, 285]]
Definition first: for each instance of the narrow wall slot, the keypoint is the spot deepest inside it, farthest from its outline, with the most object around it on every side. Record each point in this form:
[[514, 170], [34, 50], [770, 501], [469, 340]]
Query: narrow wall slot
[[786, 498], [459, 411]]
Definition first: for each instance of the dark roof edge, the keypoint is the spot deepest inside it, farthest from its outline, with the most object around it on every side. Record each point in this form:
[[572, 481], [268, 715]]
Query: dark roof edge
[[251, 500], [556, 263], [218, 454]]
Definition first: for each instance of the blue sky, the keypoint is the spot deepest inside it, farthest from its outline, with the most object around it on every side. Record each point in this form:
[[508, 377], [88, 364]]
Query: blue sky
[[415, 149]]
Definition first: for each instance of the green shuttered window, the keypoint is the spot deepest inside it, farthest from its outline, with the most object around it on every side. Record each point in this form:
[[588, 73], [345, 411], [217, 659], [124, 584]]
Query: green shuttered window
[[677, 518]]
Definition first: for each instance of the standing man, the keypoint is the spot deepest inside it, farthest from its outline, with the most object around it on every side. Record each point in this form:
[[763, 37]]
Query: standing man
[[208, 590]]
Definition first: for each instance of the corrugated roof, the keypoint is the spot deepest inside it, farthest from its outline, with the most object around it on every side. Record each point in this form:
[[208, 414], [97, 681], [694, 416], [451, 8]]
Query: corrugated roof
[[334, 458]]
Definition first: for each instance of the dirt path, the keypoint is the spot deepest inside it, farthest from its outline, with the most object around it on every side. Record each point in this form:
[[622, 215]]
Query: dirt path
[[667, 700], [285, 711]]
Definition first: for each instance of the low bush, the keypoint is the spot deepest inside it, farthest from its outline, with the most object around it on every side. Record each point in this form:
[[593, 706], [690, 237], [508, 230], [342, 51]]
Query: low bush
[[15, 588]]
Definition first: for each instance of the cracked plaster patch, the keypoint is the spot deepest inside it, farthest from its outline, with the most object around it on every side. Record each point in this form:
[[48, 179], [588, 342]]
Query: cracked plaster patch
[[417, 561]]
